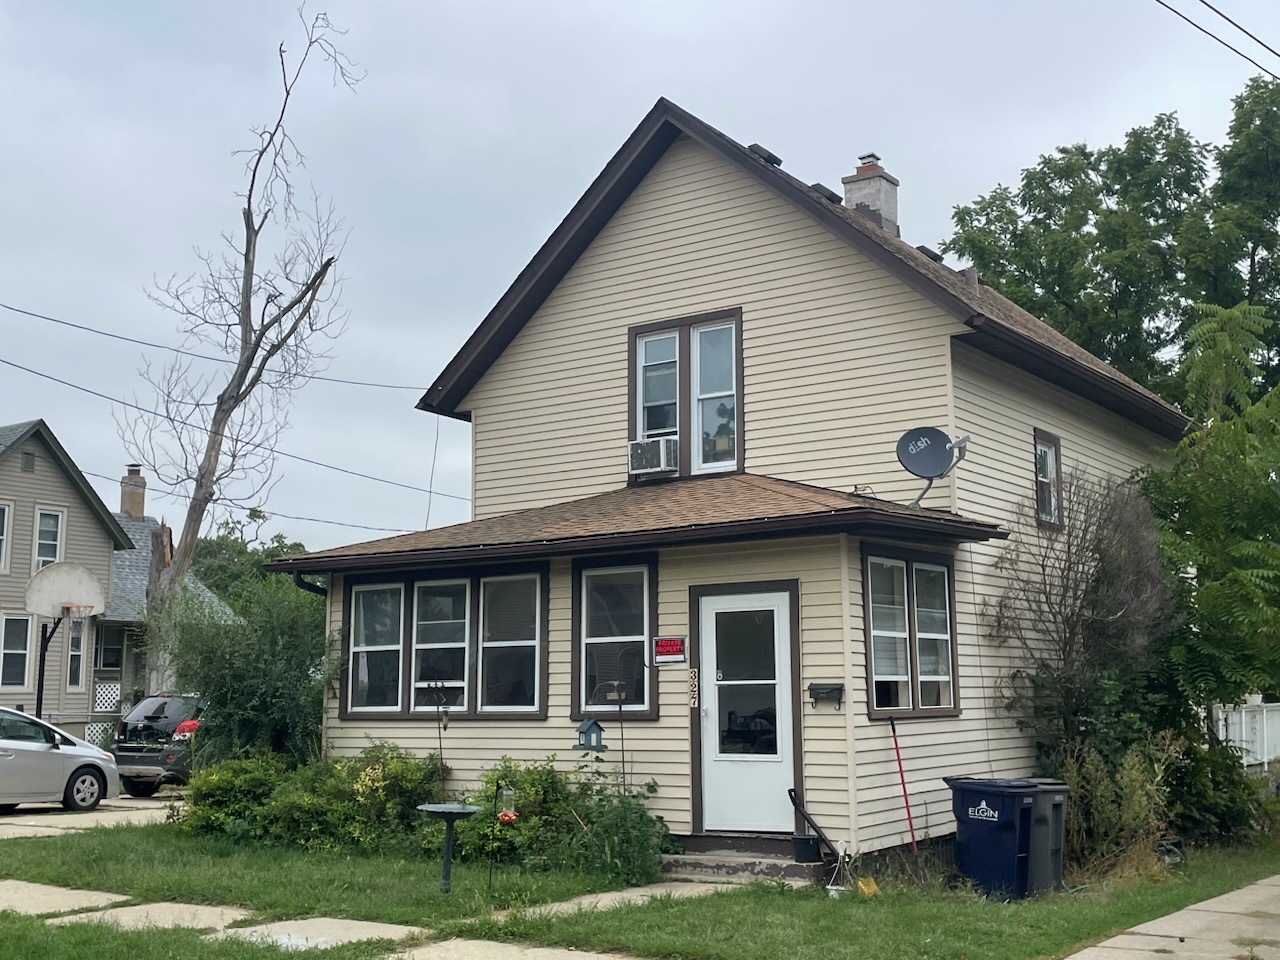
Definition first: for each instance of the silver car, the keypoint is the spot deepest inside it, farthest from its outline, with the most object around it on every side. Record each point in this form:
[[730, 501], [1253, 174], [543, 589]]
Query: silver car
[[41, 764]]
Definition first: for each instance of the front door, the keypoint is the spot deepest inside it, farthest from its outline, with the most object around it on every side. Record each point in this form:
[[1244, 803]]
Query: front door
[[747, 748]]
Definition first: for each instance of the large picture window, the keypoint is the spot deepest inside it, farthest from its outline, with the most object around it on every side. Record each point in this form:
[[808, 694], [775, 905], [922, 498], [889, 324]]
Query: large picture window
[[15, 651], [686, 383], [377, 638], [911, 635]]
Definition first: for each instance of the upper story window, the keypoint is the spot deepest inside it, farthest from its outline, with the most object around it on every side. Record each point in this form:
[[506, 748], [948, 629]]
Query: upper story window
[[1048, 478], [686, 382], [48, 537], [6, 510], [910, 626]]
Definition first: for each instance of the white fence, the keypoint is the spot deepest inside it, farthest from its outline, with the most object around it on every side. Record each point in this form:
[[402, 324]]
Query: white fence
[[1254, 728]]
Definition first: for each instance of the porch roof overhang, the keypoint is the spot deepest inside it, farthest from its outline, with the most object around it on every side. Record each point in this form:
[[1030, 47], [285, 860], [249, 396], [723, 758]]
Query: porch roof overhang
[[719, 509]]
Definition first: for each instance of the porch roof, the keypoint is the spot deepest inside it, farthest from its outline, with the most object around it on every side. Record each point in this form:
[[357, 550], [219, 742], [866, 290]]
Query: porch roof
[[720, 508]]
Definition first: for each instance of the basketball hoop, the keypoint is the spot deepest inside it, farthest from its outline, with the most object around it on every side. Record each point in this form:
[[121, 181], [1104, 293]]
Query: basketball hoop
[[77, 614]]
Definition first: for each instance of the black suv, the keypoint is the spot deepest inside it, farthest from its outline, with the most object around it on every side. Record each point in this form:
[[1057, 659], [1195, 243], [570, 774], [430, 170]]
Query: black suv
[[153, 742]]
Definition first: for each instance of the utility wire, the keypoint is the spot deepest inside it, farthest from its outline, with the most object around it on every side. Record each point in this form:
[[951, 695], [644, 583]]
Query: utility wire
[[188, 353], [1253, 37], [259, 446], [1210, 33], [272, 514]]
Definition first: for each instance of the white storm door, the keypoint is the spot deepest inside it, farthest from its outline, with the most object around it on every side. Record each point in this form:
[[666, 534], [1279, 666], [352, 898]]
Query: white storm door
[[747, 759]]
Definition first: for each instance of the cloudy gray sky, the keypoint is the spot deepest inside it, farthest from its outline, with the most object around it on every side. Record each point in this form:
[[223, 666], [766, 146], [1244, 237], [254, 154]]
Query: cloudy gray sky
[[477, 127]]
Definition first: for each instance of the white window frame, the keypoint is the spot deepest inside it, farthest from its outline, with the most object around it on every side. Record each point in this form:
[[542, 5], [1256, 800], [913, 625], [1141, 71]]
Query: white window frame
[[26, 679], [352, 650], [1051, 446], [536, 644], [462, 704], [641, 432], [696, 464], [949, 637], [71, 653], [61, 514], [6, 525], [902, 636], [586, 705]]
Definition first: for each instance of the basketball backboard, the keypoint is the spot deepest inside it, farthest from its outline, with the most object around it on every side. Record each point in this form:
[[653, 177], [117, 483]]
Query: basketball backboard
[[62, 585]]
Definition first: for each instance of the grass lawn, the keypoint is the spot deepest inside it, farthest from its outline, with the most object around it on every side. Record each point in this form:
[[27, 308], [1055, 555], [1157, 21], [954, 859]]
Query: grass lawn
[[161, 862], [27, 938], [766, 921]]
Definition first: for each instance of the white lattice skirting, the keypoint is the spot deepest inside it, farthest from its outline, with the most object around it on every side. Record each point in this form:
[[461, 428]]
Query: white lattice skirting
[[96, 732], [106, 698]]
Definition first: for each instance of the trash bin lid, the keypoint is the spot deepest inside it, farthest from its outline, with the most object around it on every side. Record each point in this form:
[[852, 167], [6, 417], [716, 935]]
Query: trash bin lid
[[996, 786]]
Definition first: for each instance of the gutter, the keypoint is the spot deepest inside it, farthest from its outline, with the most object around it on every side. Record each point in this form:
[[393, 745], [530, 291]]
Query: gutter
[[308, 586]]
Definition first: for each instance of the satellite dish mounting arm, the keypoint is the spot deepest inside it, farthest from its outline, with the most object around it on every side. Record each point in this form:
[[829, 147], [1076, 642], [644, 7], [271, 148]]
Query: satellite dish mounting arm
[[958, 448]]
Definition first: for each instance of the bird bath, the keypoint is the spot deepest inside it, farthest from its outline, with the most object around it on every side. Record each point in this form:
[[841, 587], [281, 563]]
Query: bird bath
[[450, 813]]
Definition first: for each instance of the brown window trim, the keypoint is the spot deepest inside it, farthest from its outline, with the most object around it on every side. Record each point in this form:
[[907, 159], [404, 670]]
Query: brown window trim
[[406, 580], [1038, 437], [683, 326], [579, 566], [870, 550]]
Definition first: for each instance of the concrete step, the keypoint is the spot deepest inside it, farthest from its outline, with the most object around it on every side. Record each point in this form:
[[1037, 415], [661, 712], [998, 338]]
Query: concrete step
[[733, 867]]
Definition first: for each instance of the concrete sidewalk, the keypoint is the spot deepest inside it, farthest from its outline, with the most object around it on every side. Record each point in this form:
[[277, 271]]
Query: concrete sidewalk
[[50, 820], [1241, 925]]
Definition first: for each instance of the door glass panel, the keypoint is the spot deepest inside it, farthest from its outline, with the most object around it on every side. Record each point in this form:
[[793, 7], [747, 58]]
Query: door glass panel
[[748, 718], [744, 645]]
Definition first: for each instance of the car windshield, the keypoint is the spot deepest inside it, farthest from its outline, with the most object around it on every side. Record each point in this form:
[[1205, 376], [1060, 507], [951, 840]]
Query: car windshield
[[164, 712]]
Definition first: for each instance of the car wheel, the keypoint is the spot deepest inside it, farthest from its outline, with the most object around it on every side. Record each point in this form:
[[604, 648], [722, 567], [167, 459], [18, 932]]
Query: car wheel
[[139, 788], [84, 790]]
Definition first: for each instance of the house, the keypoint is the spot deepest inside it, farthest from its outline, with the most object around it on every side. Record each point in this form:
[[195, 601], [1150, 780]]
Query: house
[[685, 411], [120, 671], [48, 514]]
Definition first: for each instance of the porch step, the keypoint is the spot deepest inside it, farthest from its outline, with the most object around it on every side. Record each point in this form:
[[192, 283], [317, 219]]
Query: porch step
[[732, 867]]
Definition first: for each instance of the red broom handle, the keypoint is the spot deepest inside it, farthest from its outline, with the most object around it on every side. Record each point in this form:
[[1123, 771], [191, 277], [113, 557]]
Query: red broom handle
[[906, 801]]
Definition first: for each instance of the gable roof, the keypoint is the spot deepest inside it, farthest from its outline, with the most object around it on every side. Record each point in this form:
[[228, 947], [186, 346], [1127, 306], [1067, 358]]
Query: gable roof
[[15, 434], [999, 326], [131, 569], [719, 508]]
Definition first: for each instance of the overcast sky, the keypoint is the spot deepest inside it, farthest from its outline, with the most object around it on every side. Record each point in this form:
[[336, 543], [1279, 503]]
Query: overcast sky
[[477, 127]]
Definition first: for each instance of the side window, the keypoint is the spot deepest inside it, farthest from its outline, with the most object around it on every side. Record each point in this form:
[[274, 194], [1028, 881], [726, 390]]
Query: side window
[[23, 730], [1048, 478], [614, 628], [911, 636], [75, 653], [509, 638], [15, 651], [5, 511], [376, 642], [48, 537]]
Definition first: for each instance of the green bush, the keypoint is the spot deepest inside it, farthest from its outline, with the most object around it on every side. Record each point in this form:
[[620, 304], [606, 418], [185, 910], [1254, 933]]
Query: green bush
[[369, 801], [1212, 798]]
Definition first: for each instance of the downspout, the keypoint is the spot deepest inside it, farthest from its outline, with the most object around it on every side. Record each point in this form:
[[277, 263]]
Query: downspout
[[310, 587]]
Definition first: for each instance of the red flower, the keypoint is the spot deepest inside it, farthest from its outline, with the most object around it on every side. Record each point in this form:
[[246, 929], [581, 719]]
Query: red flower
[[508, 817]]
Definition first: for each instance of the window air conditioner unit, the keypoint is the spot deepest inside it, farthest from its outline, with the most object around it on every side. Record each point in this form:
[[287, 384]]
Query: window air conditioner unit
[[647, 457]]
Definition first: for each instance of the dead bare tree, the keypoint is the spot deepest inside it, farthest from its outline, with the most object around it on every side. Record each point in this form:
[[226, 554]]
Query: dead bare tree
[[269, 301], [1083, 605]]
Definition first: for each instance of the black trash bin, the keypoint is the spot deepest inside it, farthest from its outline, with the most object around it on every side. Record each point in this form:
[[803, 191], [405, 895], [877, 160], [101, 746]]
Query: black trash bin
[[1048, 834], [993, 833]]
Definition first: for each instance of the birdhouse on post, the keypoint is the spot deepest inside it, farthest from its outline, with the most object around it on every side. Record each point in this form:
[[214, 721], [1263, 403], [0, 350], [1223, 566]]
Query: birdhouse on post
[[591, 736]]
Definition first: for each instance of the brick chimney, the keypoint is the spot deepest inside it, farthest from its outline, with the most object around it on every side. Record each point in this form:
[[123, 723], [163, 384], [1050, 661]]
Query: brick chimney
[[133, 492], [873, 193]]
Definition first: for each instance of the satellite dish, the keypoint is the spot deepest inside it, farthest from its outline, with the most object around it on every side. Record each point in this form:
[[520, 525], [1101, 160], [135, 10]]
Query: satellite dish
[[930, 454]]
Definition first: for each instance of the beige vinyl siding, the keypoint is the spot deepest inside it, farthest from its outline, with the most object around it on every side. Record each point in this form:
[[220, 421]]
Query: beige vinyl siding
[[661, 749], [83, 541], [840, 357]]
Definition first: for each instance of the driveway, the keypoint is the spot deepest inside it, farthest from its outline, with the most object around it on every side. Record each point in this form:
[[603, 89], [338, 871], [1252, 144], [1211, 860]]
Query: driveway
[[50, 820]]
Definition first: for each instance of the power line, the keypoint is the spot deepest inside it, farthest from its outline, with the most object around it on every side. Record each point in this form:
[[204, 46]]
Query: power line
[[259, 446], [270, 513], [1210, 33], [1253, 37], [187, 353]]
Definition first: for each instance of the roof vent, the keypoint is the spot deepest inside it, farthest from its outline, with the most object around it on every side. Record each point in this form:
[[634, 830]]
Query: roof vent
[[770, 158], [929, 252], [28, 461], [827, 192]]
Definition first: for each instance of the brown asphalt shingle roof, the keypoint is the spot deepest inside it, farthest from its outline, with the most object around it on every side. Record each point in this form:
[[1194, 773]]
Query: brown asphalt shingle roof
[[649, 515]]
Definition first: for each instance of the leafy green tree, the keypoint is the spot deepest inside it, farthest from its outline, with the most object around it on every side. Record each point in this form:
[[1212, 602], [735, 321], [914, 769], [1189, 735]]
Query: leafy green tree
[[1088, 242]]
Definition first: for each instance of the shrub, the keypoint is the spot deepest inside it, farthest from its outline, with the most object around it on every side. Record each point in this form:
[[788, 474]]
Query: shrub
[[368, 801], [1212, 798]]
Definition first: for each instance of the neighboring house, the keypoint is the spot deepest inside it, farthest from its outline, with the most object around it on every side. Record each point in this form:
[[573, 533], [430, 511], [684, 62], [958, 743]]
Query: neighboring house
[[771, 343], [120, 667], [48, 514]]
